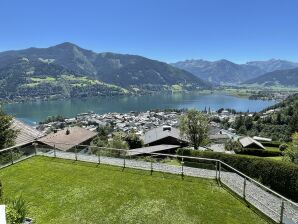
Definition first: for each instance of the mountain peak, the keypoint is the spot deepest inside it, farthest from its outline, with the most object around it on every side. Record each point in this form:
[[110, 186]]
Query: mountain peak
[[224, 61], [65, 45]]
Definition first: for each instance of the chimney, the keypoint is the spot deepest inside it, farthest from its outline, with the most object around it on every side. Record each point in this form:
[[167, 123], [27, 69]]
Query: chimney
[[166, 128]]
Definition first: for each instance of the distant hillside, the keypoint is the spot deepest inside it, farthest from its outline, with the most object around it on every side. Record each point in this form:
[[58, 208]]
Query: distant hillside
[[225, 72], [288, 78], [273, 65], [23, 79], [119, 69]]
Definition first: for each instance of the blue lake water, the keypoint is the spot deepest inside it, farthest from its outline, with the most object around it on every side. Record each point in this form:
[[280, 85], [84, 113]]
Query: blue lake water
[[31, 112]]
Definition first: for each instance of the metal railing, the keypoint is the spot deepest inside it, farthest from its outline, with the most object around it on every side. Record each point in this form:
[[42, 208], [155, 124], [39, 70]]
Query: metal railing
[[273, 205]]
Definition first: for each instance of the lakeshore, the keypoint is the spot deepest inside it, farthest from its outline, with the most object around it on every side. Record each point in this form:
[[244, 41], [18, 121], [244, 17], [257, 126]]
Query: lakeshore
[[34, 112]]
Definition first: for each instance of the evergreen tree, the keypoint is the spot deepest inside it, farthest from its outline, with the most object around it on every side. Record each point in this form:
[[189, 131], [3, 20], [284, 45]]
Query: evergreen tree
[[7, 134]]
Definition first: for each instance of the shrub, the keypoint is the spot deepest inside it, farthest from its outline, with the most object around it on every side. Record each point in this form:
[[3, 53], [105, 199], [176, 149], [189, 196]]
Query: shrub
[[283, 147], [279, 176], [259, 152], [233, 146], [271, 144], [133, 141], [16, 210]]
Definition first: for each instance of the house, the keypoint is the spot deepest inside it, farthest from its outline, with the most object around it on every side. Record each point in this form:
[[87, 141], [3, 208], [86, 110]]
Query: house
[[248, 142], [68, 138], [219, 138], [164, 135], [26, 134]]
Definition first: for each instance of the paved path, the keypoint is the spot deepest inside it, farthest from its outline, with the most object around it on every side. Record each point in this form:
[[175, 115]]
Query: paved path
[[256, 195]]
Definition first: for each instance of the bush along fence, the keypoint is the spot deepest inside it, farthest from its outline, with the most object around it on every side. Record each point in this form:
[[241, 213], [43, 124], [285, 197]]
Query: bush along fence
[[279, 176], [226, 170]]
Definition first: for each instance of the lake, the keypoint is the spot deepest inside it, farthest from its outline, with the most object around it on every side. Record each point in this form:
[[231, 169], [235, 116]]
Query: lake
[[31, 112]]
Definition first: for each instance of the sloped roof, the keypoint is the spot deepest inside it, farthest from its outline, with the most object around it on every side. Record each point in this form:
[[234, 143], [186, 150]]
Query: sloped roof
[[247, 141], [62, 141], [151, 149], [218, 136], [26, 133], [162, 132], [258, 138]]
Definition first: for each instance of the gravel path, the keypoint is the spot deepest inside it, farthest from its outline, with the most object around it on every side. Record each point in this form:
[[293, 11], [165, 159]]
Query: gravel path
[[254, 194]]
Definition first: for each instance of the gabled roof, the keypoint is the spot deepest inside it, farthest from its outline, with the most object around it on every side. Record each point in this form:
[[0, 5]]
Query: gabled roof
[[26, 133], [63, 141], [258, 138], [218, 136], [248, 141], [151, 149], [161, 133]]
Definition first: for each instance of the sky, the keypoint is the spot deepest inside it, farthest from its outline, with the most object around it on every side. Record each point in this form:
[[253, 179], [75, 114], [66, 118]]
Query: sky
[[166, 30]]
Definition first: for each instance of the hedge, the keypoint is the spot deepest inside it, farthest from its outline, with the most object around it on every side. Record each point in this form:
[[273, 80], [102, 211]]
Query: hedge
[[259, 152], [281, 177], [271, 144]]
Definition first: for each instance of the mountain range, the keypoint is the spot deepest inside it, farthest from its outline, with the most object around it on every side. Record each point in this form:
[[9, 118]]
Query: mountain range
[[224, 72], [119, 69], [68, 70], [288, 78]]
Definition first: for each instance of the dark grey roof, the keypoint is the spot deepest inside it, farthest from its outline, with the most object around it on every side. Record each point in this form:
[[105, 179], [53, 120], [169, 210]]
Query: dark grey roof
[[151, 149], [218, 136], [159, 133]]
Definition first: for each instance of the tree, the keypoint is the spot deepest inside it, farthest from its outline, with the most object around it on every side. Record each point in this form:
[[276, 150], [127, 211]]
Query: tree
[[7, 134], [103, 132], [194, 126], [242, 130], [232, 145], [239, 122], [291, 153], [248, 123], [117, 142], [293, 124], [133, 140]]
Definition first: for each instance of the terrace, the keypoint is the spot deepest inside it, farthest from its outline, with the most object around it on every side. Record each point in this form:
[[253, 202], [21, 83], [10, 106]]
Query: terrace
[[92, 185]]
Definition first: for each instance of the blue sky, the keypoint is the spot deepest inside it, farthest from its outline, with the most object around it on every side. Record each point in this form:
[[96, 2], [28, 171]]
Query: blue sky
[[167, 30]]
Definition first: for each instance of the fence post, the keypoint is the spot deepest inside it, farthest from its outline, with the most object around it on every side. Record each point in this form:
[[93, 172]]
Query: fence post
[[55, 151], [98, 154], [124, 159], [219, 170], [282, 208], [76, 156], [151, 165], [182, 171], [11, 156], [35, 148], [244, 188], [216, 170]]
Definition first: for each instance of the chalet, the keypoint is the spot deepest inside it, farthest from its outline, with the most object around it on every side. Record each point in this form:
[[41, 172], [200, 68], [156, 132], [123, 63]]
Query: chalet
[[164, 135], [67, 139]]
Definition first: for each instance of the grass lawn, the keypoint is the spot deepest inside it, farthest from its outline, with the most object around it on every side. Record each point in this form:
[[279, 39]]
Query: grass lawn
[[61, 191], [274, 149]]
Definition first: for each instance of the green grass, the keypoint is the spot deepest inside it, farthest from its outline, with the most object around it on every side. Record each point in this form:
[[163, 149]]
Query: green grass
[[277, 158], [274, 149], [61, 191]]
